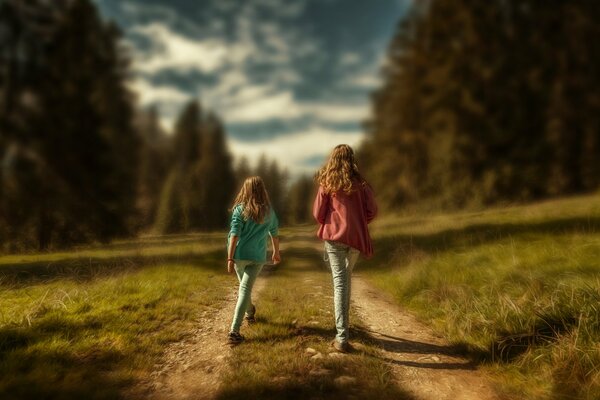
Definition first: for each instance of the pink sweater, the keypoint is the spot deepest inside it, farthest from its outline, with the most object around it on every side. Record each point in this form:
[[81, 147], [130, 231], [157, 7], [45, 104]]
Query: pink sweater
[[344, 217]]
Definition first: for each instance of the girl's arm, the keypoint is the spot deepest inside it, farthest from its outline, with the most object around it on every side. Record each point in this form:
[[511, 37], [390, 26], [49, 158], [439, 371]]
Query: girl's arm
[[237, 222], [370, 205], [275, 243], [320, 206], [274, 233], [231, 252]]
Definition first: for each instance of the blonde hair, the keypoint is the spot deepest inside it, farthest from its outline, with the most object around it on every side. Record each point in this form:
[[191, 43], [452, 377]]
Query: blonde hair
[[340, 171], [254, 198]]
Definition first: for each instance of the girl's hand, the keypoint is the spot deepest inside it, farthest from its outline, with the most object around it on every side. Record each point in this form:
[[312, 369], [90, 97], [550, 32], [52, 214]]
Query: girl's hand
[[230, 266], [276, 258]]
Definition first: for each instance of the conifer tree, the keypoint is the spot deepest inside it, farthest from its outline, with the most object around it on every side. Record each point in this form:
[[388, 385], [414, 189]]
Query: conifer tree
[[484, 102], [154, 158], [70, 156], [299, 199]]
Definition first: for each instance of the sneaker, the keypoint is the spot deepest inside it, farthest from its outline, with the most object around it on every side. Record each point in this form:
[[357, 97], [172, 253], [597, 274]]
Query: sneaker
[[234, 338], [250, 314], [344, 347]]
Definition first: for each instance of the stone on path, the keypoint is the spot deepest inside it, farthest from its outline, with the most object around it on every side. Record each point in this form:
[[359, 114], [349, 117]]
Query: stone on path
[[344, 380], [320, 372]]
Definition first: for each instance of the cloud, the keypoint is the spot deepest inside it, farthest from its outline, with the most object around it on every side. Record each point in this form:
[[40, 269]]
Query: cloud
[[290, 79], [256, 104], [150, 94], [275, 105], [366, 80], [171, 50], [292, 151], [339, 112], [350, 58]]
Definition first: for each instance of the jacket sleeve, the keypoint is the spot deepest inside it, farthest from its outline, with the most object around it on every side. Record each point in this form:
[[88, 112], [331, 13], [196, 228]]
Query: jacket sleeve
[[320, 205], [370, 204], [274, 226], [237, 221]]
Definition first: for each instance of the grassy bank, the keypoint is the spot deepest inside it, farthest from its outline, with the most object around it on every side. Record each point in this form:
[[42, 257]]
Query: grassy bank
[[89, 323], [519, 287]]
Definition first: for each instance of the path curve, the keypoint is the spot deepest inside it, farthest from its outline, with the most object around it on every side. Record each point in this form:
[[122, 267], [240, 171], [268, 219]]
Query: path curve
[[423, 362]]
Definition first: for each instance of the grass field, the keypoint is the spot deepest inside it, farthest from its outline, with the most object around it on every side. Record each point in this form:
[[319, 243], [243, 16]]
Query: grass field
[[90, 323], [518, 287]]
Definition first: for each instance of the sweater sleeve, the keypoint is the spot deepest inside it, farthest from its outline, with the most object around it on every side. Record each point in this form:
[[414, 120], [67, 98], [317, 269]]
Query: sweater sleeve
[[274, 227], [237, 221], [370, 205], [320, 206]]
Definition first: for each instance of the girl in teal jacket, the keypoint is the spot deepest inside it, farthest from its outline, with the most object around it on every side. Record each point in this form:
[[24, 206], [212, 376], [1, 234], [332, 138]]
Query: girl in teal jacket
[[252, 221]]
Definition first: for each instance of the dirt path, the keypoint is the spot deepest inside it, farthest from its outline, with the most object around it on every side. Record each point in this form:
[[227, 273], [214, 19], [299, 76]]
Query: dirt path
[[422, 362], [191, 369]]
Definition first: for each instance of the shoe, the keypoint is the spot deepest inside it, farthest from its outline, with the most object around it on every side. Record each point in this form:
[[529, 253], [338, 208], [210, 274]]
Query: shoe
[[234, 338], [250, 315], [344, 347]]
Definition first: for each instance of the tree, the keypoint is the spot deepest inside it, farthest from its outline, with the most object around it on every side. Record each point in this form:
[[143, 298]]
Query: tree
[[154, 161], [201, 181], [188, 135], [487, 102], [276, 182], [242, 171], [179, 208], [300, 197], [67, 125], [215, 177]]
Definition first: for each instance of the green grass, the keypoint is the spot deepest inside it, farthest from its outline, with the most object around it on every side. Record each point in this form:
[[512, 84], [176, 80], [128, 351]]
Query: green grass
[[75, 326], [92, 323], [518, 287], [294, 312]]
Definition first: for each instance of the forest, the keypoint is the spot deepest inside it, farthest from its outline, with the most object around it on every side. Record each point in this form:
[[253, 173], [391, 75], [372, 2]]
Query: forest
[[82, 162], [481, 103], [487, 102]]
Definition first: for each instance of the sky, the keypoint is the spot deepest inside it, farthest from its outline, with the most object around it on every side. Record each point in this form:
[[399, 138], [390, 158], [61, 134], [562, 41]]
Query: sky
[[289, 78]]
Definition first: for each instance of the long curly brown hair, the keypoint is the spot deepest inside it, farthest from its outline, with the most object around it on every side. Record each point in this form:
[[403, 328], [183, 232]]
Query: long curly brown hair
[[254, 198], [340, 171]]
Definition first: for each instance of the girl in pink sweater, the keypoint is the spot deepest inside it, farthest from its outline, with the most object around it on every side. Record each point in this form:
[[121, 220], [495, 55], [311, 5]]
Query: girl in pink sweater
[[344, 206]]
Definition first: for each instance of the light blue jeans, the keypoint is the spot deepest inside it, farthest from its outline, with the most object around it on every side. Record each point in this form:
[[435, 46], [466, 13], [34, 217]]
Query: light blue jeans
[[341, 261], [246, 271]]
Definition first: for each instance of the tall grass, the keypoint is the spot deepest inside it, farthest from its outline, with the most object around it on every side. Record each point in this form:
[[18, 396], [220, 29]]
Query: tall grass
[[518, 287]]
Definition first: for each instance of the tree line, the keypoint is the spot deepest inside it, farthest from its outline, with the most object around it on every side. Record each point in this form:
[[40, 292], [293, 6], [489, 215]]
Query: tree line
[[485, 102], [79, 161]]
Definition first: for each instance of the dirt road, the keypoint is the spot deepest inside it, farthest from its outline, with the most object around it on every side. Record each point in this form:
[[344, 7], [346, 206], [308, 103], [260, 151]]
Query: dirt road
[[422, 362]]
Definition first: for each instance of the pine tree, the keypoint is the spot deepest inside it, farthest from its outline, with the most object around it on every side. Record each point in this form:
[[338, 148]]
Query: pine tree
[[276, 183], [300, 197], [181, 195], [154, 158], [242, 171], [200, 186], [487, 102], [67, 125], [215, 177]]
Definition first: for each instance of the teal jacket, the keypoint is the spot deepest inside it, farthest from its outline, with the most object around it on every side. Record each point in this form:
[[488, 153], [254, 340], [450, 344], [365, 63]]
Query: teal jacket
[[252, 237]]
